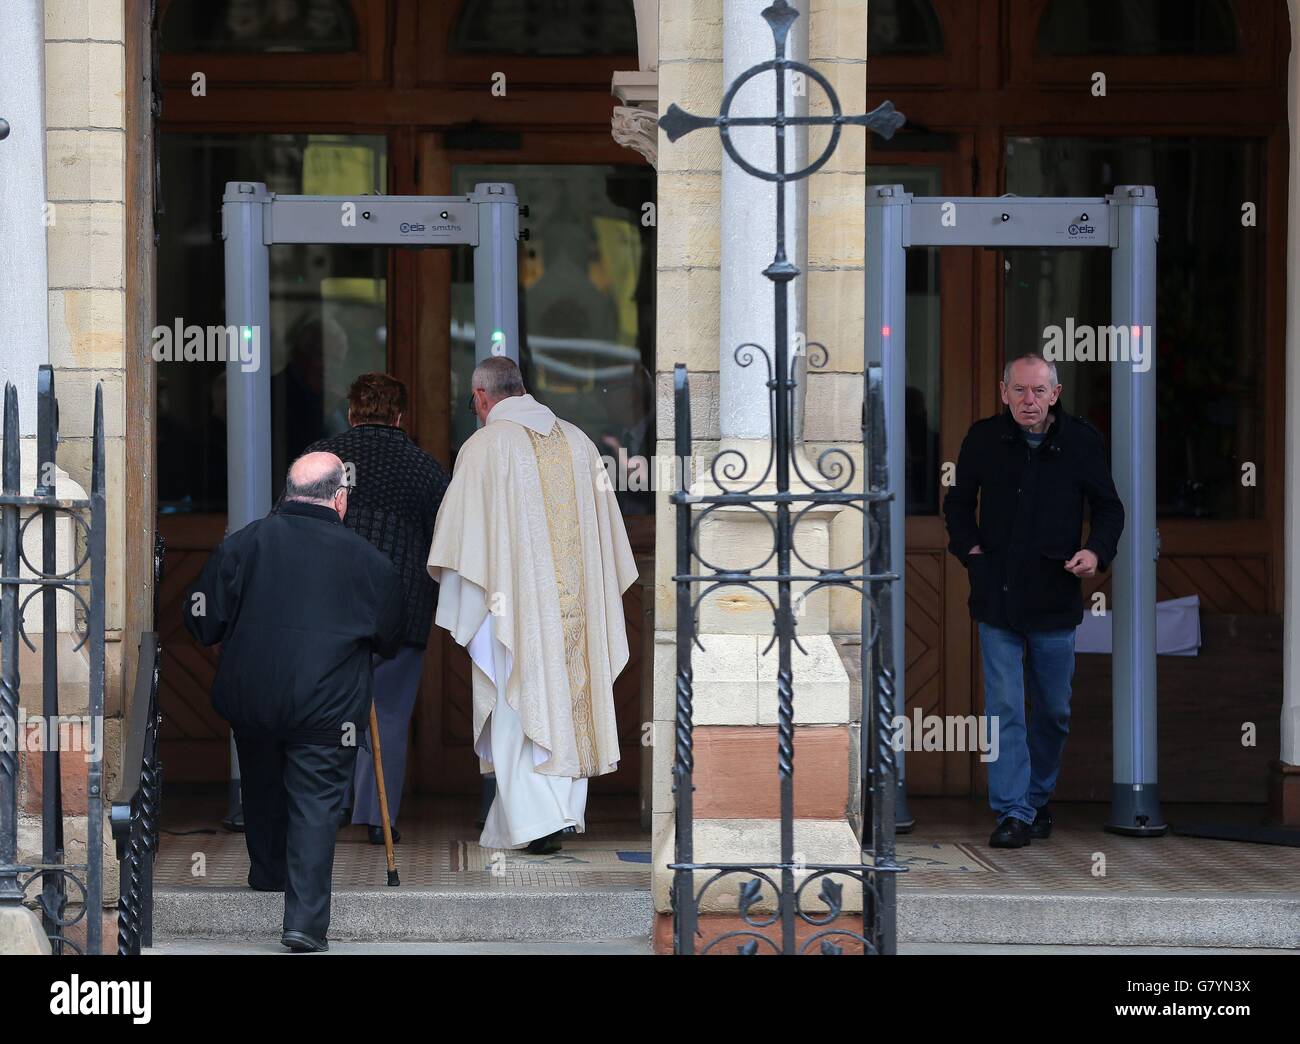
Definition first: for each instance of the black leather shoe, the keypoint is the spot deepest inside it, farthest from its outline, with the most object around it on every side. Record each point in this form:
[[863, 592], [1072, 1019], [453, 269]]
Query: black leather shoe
[[345, 818], [1011, 833], [547, 845], [377, 835], [1041, 829], [301, 942]]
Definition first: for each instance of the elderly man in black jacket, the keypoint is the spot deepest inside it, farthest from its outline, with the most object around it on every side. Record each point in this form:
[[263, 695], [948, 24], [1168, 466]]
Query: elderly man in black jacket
[[299, 604], [393, 503], [1032, 468]]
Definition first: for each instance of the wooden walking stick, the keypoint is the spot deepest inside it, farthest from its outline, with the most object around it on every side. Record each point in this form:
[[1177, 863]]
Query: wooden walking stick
[[383, 796]]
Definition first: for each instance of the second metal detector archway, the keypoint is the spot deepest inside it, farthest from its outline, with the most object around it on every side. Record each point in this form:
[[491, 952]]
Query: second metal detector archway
[[253, 220], [1127, 223]]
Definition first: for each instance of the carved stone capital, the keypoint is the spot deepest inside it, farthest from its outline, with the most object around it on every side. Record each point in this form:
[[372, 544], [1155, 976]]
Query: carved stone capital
[[637, 129]]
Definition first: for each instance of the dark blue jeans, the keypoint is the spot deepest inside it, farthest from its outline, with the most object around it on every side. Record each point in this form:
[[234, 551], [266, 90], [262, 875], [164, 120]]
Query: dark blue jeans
[[1023, 777]]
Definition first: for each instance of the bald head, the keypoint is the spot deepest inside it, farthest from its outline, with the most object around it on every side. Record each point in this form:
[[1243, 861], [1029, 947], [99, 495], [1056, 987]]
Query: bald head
[[317, 478], [494, 379]]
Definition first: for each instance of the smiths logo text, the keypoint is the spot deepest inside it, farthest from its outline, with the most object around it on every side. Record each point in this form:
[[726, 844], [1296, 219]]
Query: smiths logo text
[[419, 227]]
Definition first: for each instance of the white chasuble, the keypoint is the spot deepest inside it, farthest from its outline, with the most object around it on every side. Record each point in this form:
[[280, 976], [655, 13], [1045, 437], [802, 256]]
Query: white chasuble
[[533, 559]]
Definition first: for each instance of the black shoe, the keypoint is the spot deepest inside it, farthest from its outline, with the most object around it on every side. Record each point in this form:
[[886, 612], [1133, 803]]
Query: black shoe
[[345, 818], [548, 845], [1011, 833], [301, 942], [1041, 829], [377, 834]]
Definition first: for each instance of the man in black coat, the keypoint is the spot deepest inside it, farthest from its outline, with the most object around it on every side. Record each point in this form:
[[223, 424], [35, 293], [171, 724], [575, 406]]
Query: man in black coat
[[1032, 467], [298, 604], [397, 490]]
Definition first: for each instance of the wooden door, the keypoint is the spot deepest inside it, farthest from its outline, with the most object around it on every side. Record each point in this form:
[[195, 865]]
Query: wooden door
[[195, 740]]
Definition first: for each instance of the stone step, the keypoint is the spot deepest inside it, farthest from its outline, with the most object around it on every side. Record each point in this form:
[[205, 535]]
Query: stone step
[[195, 945], [397, 915], [417, 914], [1209, 919]]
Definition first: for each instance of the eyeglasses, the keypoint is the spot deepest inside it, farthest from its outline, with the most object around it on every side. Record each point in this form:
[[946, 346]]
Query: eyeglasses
[[473, 411]]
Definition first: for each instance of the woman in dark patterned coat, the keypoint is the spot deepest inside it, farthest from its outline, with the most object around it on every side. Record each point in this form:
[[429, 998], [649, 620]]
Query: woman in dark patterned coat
[[396, 491]]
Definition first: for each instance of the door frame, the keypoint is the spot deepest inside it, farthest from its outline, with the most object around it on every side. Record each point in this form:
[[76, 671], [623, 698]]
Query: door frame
[[401, 83], [950, 773]]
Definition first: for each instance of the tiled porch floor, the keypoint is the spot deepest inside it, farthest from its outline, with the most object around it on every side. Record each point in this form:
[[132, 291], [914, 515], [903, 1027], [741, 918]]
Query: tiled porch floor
[[438, 839], [1069, 860]]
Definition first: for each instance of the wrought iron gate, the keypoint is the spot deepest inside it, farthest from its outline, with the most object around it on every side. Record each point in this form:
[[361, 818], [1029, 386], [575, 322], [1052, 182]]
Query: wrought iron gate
[[138, 805], [784, 509], [86, 573]]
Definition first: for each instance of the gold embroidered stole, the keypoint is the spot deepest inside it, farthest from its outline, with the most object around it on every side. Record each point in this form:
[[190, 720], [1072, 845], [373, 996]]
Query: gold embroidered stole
[[555, 469]]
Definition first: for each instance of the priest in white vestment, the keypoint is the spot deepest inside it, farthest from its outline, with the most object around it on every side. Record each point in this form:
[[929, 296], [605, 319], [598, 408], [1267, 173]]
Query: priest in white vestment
[[532, 558]]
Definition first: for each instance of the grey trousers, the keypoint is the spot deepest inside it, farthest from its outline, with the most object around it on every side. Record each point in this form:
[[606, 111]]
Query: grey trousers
[[396, 683]]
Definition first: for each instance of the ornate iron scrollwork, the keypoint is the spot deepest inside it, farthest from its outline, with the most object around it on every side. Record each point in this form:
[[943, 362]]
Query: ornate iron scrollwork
[[784, 508]]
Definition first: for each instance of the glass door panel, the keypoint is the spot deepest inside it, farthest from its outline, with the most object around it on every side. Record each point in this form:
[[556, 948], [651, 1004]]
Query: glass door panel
[[1209, 306], [586, 321]]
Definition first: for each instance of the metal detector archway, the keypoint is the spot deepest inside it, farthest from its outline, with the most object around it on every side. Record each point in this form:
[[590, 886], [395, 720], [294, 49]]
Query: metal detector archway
[[1126, 222], [253, 220]]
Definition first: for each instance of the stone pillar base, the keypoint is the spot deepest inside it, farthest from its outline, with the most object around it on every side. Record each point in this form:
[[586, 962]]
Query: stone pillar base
[[711, 926], [816, 841], [20, 932], [1284, 794]]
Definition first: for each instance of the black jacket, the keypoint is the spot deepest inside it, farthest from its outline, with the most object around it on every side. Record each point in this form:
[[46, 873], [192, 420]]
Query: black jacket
[[393, 504], [298, 604], [1030, 519]]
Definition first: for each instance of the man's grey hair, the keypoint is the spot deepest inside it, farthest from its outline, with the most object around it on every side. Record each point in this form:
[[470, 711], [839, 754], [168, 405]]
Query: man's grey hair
[[499, 377], [319, 492], [1030, 357]]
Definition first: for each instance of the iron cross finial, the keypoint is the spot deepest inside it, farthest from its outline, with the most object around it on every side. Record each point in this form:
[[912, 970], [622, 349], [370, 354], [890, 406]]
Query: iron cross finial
[[884, 120]]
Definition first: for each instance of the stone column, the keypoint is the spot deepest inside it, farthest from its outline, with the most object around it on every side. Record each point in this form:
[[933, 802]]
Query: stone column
[[1284, 782], [24, 342], [748, 229], [24, 327]]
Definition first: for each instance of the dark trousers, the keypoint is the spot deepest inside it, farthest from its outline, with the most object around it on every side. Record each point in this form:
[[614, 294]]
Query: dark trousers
[[292, 797], [397, 681]]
